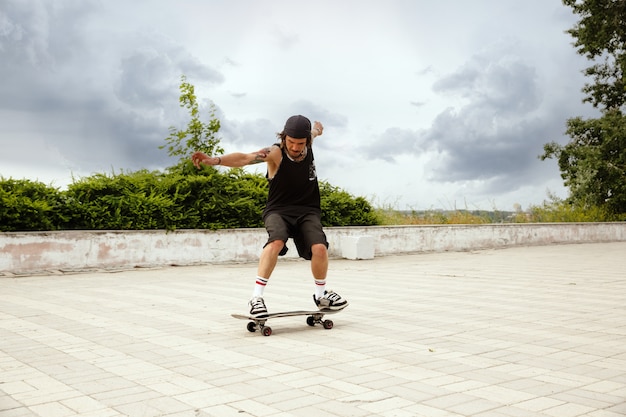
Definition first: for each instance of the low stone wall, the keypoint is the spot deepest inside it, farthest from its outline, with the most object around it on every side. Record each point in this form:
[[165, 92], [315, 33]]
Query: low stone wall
[[36, 252]]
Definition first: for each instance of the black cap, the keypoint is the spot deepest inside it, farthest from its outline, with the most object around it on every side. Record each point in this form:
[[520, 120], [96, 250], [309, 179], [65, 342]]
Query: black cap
[[298, 127]]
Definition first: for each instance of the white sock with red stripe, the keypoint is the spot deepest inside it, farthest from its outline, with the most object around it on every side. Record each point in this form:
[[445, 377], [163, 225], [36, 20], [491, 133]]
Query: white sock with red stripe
[[259, 286], [320, 288]]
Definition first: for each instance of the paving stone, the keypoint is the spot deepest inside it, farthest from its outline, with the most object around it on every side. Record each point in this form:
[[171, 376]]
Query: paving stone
[[527, 331]]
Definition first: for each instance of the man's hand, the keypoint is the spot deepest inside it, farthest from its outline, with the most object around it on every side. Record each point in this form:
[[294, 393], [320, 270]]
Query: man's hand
[[199, 158], [317, 129]]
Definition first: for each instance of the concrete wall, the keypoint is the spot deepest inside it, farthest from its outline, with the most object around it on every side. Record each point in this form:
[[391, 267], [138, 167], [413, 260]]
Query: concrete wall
[[37, 252]]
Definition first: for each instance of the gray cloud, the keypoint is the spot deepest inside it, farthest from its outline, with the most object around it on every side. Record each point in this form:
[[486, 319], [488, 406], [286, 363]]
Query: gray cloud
[[395, 142], [262, 132], [149, 77], [494, 135], [250, 135], [499, 132], [285, 40], [114, 103], [506, 86], [483, 149]]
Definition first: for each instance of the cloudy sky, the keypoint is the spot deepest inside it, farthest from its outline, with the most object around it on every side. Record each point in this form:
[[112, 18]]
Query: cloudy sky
[[426, 104]]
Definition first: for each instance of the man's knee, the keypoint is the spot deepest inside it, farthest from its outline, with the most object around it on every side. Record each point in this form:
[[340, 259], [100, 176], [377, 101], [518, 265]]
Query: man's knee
[[275, 246], [319, 250]]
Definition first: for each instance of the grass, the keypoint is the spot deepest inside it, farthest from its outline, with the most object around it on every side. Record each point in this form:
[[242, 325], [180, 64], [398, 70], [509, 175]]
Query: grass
[[553, 211], [395, 217]]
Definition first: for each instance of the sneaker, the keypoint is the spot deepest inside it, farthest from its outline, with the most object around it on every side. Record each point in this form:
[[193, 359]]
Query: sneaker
[[257, 307], [330, 301]]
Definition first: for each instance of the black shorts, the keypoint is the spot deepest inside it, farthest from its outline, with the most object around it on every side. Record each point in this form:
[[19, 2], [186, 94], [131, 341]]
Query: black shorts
[[305, 231]]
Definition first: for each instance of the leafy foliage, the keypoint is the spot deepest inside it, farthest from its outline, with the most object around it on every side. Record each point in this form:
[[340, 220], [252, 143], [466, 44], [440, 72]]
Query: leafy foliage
[[593, 163], [342, 209], [156, 200], [141, 200], [198, 136], [123, 201], [27, 205], [600, 34]]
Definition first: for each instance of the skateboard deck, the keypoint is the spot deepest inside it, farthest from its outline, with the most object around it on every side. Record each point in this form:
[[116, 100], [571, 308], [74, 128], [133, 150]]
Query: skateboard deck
[[313, 318]]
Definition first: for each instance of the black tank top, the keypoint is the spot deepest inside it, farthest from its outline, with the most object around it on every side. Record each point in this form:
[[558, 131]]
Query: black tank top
[[294, 190]]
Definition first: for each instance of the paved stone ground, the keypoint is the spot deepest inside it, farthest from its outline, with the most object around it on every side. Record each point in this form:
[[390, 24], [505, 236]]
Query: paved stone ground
[[533, 331]]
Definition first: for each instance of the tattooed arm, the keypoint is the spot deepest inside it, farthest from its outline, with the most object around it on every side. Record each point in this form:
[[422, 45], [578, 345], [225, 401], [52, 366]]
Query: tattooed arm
[[238, 159]]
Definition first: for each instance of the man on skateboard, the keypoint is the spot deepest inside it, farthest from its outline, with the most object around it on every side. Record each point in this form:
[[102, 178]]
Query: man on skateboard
[[293, 208]]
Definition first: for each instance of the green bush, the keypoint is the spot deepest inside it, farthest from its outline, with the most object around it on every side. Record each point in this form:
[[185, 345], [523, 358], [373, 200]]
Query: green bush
[[124, 201], [342, 209], [181, 198], [233, 199], [155, 200], [29, 205]]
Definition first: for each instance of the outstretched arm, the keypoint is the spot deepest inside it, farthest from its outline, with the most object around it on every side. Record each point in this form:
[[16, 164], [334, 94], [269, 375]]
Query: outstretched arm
[[316, 130], [233, 160]]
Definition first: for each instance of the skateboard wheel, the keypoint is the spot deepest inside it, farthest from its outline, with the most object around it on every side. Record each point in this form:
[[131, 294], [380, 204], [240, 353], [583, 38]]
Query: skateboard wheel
[[267, 331], [251, 327], [310, 321], [328, 324]]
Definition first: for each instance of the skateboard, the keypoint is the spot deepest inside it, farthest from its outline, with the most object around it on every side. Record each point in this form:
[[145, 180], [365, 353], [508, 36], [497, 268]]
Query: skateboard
[[313, 318]]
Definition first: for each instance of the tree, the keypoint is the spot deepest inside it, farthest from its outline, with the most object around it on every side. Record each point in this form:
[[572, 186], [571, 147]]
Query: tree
[[198, 136], [601, 35], [593, 163]]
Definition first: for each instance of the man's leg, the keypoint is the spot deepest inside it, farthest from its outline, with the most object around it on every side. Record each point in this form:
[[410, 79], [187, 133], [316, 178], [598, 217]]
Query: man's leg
[[319, 267], [267, 262], [319, 261], [277, 230], [269, 258], [311, 244], [278, 233]]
